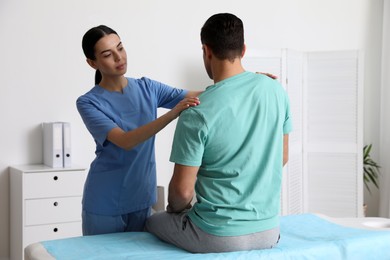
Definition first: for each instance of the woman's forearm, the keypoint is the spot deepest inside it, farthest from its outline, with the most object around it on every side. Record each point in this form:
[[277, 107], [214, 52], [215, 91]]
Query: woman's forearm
[[130, 139]]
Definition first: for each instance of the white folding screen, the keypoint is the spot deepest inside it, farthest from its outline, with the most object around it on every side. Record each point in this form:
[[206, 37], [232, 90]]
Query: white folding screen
[[324, 172], [333, 139]]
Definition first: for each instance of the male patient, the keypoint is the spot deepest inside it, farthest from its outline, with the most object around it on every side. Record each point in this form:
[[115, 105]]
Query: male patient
[[229, 151]]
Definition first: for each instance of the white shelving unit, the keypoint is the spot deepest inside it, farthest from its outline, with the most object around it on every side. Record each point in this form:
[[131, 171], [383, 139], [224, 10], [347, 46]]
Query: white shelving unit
[[45, 204]]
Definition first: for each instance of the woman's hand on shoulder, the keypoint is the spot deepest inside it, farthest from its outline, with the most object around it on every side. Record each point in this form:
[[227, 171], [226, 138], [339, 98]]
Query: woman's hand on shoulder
[[272, 76], [184, 104]]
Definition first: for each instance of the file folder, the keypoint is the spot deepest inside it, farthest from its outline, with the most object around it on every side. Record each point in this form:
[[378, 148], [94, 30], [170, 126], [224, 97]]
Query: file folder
[[53, 144], [66, 145]]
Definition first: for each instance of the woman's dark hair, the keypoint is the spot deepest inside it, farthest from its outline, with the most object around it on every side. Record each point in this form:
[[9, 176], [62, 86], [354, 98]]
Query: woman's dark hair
[[90, 38], [224, 34]]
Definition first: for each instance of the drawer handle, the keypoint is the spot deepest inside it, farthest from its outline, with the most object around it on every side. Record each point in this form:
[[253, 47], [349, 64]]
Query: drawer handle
[[55, 178], [55, 204], [55, 229]]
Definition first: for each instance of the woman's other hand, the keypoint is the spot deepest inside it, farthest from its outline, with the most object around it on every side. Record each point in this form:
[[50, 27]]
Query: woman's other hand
[[272, 76]]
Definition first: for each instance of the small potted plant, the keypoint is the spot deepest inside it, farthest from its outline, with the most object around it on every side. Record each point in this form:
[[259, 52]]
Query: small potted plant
[[370, 171], [370, 168]]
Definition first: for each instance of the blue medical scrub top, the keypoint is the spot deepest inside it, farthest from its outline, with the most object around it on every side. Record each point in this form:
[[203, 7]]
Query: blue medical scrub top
[[121, 181]]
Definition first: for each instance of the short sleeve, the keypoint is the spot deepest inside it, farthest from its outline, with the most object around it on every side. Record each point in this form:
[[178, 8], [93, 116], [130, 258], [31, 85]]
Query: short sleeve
[[287, 125], [167, 96], [189, 140], [97, 122]]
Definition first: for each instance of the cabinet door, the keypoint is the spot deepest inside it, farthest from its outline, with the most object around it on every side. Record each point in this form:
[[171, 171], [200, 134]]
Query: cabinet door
[[53, 184]]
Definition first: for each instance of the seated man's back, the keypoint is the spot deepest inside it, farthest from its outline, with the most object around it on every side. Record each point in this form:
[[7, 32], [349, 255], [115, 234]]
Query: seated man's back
[[229, 151], [236, 137]]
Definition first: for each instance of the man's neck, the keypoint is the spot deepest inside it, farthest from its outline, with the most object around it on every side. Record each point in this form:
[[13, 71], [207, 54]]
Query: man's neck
[[224, 69]]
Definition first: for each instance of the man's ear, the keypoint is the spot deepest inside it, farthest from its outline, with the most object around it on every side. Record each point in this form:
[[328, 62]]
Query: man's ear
[[92, 63], [207, 51], [243, 51]]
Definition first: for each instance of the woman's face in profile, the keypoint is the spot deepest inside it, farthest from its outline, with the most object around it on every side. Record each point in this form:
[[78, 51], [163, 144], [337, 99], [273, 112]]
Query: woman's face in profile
[[111, 57]]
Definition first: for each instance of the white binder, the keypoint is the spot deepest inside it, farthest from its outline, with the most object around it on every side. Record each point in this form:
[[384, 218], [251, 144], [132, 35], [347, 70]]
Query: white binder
[[66, 145], [52, 144]]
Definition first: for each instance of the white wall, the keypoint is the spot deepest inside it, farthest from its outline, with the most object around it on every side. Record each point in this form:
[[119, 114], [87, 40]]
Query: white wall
[[373, 50], [384, 209], [43, 70]]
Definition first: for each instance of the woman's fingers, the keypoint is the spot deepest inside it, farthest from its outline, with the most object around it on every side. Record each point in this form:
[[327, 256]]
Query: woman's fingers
[[190, 102], [268, 75], [185, 103]]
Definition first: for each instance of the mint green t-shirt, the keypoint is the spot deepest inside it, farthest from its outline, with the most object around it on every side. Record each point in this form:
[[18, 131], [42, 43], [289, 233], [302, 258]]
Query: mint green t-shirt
[[235, 136]]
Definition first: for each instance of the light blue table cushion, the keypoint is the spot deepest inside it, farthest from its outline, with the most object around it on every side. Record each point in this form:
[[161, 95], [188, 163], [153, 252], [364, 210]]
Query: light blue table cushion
[[303, 236]]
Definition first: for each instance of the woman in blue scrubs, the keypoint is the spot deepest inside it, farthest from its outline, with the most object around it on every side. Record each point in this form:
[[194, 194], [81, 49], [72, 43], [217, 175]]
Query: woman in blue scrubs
[[121, 115]]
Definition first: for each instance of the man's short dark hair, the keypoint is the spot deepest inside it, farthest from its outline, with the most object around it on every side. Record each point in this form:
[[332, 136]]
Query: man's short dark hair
[[224, 34]]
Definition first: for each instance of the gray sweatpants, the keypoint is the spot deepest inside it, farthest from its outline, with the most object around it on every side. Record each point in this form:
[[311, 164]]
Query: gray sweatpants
[[177, 229]]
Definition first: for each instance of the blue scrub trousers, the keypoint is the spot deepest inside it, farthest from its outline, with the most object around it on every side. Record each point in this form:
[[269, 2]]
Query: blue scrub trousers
[[93, 224]]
